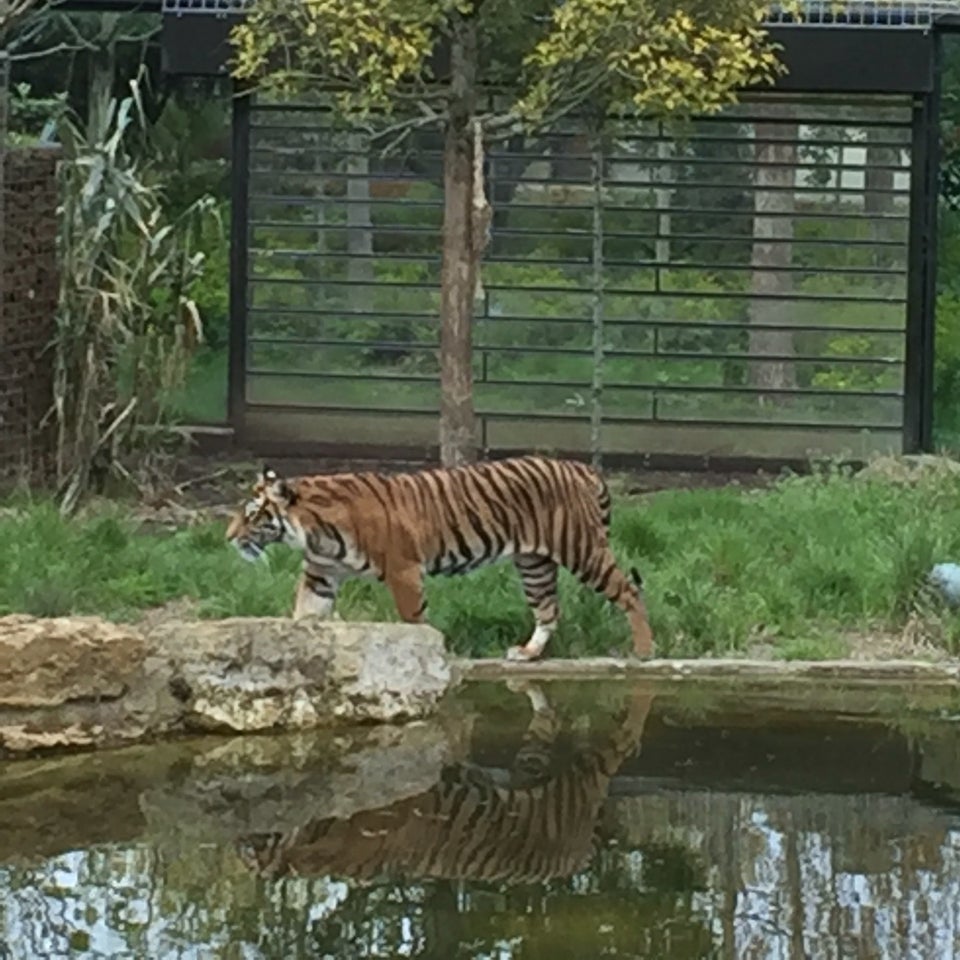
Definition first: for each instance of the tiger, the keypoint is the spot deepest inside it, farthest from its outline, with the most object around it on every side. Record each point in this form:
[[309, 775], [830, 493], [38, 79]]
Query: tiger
[[535, 823], [541, 512]]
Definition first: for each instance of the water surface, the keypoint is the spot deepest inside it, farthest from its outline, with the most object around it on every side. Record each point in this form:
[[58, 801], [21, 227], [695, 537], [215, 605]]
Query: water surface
[[552, 820]]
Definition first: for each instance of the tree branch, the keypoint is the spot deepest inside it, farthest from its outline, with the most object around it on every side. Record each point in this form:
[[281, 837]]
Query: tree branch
[[400, 131]]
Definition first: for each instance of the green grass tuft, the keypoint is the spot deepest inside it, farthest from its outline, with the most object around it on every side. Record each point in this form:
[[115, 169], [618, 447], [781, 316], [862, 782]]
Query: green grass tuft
[[794, 567]]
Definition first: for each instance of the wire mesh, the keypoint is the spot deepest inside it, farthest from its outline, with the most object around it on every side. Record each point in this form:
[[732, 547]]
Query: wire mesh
[[890, 13], [860, 12], [220, 7]]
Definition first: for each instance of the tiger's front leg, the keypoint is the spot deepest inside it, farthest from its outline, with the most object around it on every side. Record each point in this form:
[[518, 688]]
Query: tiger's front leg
[[406, 585], [316, 594]]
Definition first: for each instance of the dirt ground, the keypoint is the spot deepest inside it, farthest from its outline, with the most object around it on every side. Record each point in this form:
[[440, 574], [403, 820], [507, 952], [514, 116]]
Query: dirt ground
[[211, 481]]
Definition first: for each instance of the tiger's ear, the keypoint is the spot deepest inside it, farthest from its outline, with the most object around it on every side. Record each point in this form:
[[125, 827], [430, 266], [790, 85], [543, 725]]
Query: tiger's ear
[[276, 487]]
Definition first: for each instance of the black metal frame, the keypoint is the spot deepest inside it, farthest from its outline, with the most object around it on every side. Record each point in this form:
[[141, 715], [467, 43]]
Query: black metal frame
[[268, 157], [239, 260], [819, 60], [922, 269]]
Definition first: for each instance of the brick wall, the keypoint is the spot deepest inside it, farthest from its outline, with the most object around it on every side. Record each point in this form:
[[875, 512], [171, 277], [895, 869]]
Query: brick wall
[[28, 302]]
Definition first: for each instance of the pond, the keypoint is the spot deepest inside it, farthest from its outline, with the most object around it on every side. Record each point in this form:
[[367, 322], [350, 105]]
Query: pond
[[551, 820]]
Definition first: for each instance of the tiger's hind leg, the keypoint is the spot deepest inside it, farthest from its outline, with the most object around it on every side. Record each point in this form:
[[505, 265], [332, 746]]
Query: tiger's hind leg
[[600, 571], [539, 576]]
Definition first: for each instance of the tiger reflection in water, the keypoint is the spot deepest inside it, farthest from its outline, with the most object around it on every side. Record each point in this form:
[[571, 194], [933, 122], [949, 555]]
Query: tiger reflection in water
[[539, 825]]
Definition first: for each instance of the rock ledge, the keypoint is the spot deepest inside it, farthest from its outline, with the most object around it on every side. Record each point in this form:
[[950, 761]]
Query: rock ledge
[[82, 682]]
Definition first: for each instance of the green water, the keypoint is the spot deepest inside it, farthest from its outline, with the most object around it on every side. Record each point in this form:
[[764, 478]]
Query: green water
[[559, 821]]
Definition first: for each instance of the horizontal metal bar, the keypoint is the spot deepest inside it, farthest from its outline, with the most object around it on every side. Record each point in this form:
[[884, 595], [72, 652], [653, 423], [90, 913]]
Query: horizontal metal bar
[[686, 159], [652, 210], [663, 324], [411, 346], [653, 163], [299, 254], [506, 415], [567, 233], [490, 92], [645, 263], [328, 156], [584, 291], [363, 377], [300, 201], [747, 188], [321, 152], [730, 117]]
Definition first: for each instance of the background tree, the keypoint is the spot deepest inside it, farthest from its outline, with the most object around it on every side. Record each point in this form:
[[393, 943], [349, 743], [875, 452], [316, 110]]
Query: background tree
[[396, 66]]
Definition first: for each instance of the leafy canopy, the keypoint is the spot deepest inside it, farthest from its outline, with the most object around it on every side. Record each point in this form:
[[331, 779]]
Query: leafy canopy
[[659, 57]]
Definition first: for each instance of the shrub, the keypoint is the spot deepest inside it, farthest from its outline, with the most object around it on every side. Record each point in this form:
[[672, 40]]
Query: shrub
[[127, 323]]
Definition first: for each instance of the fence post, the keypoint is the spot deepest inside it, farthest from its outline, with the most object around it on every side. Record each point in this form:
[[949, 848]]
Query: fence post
[[239, 259], [596, 304], [922, 266]]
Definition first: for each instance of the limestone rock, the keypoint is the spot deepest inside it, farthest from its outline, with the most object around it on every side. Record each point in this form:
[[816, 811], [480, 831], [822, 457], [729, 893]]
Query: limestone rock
[[48, 662], [245, 675], [79, 683], [279, 782]]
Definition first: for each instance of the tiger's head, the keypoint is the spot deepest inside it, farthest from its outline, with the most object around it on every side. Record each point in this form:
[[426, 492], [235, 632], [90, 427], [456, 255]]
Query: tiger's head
[[265, 518]]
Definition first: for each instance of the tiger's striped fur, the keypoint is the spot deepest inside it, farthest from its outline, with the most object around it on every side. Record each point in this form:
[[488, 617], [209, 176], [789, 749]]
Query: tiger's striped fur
[[540, 512], [538, 824]]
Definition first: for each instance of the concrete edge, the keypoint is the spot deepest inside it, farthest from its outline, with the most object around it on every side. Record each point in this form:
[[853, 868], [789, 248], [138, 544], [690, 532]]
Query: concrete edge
[[595, 668]]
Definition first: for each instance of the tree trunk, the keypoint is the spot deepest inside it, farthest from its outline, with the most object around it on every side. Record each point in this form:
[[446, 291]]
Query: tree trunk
[[463, 237], [663, 198], [774, 204]]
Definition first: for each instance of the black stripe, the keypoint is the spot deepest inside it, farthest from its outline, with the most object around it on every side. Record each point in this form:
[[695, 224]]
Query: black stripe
[[370, 482], [450, 516], [334, 534], [531, 469], [586, 539], [520, 491], [495, 503], [478, 528], [566, 545]]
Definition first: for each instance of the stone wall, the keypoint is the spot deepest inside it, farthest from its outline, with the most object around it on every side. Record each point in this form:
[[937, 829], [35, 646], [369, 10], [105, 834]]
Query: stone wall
[[29, 287]]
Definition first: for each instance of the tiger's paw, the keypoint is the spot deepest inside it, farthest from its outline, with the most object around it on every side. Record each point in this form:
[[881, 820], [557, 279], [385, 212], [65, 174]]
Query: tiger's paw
[[519, 655]]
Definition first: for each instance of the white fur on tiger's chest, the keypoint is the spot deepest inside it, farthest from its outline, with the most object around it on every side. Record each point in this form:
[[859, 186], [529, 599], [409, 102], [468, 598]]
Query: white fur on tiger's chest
[[294, 535]]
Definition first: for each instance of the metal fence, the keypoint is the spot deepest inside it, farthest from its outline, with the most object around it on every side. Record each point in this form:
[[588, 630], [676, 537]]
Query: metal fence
[[833, 12], [859, 13], [751, 272]]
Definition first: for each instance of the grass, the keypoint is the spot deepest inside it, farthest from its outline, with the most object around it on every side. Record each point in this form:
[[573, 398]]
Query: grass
[[795, 567]]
